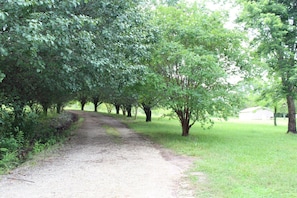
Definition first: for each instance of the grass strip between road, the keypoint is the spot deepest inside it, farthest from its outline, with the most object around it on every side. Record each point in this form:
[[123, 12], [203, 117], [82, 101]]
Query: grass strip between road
[[113, 132]]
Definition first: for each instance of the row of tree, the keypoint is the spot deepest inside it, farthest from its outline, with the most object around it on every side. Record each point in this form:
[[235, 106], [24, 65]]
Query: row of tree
[[131, 52]]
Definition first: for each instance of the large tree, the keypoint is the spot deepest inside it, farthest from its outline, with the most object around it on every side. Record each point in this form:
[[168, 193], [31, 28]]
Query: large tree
[[151, 93], [195, 56], [273, 24]]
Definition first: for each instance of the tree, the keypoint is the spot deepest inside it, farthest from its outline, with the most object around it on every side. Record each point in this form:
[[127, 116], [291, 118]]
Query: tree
[[271, 95], [83, 99], [150, 92], [195, 56], [43, 47], [122, 39], [275, 38]]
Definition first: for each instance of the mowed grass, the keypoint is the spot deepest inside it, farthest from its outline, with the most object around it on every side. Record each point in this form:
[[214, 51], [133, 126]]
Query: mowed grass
[[236, 159]]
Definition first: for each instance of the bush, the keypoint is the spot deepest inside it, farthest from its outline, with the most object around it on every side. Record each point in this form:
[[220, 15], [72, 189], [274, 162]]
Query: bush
[[34, 133], [8, 161], [8, 153], [8, 145], [6, 123]]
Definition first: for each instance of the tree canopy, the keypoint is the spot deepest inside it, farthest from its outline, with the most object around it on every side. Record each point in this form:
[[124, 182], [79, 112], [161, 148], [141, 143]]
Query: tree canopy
[[54, 48], [195, 56]]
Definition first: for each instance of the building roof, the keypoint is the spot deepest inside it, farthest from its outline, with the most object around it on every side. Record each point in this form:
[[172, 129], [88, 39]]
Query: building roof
[[253, 109]]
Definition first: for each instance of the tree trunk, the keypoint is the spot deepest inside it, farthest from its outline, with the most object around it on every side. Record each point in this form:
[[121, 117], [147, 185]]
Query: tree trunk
[[117, 106], [108, 107], [59, 108], [129, 111], [96, 103], [124, 111], [291, 115], [185, 128], [274, 115], [83, 102], [44, 108], [148, 113], [136, 110], [184, 118]]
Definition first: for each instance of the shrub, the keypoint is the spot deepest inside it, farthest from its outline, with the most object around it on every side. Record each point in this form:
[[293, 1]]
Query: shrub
[[8, 145], [34, 133], [8, 161]]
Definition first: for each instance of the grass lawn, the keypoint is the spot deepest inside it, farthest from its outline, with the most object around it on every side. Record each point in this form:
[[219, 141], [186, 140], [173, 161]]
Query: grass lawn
[[238, 159]]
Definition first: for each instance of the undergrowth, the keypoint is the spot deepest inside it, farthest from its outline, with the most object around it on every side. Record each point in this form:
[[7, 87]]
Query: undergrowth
[[32, 134]]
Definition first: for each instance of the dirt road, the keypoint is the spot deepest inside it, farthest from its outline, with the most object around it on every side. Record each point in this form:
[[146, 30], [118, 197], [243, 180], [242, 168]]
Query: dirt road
[[102, 159]]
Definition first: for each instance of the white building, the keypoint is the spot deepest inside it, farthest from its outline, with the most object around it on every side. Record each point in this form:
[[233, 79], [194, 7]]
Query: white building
[[255, 113]]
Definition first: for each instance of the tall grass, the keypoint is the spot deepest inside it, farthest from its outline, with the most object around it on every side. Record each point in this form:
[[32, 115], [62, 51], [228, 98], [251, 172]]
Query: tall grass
[[238, 159]]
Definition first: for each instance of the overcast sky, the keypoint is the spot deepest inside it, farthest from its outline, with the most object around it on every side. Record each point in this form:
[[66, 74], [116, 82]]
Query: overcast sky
[[222, 5]]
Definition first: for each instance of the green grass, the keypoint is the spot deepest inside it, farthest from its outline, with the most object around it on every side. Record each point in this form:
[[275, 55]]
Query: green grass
[[239, 159], [113, 132]]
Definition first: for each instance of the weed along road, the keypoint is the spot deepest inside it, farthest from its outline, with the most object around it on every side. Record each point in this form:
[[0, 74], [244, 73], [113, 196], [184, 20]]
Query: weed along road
[[103, 158]]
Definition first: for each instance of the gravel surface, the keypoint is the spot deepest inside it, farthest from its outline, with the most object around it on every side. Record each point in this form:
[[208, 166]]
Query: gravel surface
[[102, 159]]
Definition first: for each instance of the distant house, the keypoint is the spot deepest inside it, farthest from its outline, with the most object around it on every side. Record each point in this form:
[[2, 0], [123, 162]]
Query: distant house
[[255, 113]]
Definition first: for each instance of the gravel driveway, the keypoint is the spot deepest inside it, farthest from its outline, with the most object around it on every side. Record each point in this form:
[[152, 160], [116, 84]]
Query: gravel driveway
[[103, 159]]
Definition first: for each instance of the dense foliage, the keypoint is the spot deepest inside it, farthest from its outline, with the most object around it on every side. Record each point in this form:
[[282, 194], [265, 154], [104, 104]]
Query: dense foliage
[[33, 136]]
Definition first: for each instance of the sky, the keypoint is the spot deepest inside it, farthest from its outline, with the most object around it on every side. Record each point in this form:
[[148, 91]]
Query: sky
[[227, 5]]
